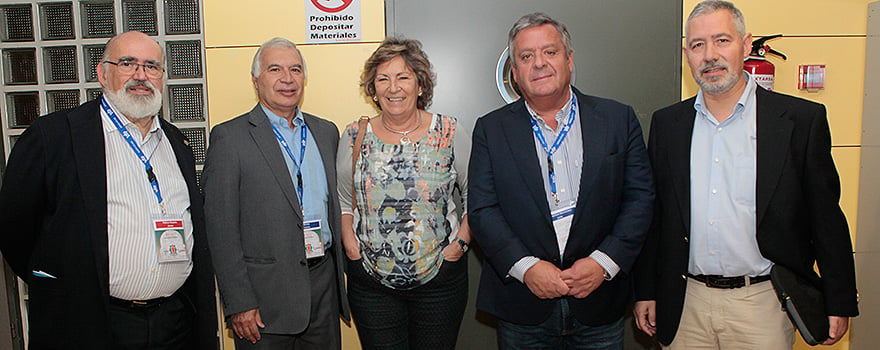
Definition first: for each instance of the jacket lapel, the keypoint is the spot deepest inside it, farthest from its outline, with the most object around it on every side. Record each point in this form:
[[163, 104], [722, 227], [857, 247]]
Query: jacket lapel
[[594, 130], [328, 154], [774, 135], [185, 163], [521, 141], [87, 139], [328, 158], [679, 159], [266, 142]]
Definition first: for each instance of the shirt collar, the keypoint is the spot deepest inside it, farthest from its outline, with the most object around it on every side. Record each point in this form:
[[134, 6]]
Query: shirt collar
[[110, 128], [561, 116], [280, 122], [746, 99]]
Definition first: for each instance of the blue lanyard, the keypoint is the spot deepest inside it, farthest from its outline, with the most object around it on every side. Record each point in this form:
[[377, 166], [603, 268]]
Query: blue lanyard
[[151, 177], [556, 144], [302, 154]]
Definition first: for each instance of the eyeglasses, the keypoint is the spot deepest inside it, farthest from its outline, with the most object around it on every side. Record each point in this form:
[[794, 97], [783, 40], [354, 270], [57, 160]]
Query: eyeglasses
[[129, 67]]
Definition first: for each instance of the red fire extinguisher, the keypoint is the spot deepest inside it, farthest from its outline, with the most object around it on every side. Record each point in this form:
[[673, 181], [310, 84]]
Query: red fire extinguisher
[[758, 66]]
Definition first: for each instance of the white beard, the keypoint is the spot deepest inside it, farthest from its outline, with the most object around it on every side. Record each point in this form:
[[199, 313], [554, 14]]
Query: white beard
[[134, 106]]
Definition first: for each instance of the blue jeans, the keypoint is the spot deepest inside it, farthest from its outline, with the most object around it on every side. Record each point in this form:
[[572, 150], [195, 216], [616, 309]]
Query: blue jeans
[[560, 332]]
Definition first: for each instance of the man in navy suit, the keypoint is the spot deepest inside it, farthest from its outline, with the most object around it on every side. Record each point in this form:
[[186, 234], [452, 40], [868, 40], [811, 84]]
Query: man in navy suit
[[561, 200]]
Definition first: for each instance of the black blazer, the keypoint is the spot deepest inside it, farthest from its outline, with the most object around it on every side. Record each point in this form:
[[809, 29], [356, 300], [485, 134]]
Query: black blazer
[[510, 216], [797, 193], [53, 210]]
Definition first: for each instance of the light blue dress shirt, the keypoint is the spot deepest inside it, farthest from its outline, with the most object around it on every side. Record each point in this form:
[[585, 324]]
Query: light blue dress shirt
[[723, 174], [314, 179], [568, 163]]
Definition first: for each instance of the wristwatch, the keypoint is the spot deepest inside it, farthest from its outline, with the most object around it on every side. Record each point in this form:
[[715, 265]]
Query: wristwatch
[[462, 244]]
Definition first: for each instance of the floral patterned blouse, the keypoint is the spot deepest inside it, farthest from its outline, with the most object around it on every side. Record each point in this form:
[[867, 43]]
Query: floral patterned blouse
[[405, 209]]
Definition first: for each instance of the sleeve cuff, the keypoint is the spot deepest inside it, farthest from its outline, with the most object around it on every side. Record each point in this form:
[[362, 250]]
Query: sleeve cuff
[[606, 262], [518, 270]]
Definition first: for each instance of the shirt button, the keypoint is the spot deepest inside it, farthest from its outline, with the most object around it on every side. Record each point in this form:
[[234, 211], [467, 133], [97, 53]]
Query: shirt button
[[558, 162], [712, 253], [719, 129], [711, 222], [717, 160], [153, 270], [562, 190], [714, 190]]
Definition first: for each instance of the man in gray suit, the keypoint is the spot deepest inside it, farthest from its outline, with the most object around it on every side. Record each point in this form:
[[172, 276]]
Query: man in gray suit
[[273, 216]]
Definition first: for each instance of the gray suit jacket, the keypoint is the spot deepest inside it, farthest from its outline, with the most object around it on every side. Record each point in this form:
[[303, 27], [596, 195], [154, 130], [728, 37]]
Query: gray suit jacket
[[254, 221]]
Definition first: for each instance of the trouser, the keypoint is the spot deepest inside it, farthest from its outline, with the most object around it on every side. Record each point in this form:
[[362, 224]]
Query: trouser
[[561, 331], [424, 318], [157, 326], [749, 317], [323, 331]]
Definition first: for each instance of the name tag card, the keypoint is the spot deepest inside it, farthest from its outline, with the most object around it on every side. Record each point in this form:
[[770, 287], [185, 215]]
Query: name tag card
[[312, 235], [169, 240], [562, 219]]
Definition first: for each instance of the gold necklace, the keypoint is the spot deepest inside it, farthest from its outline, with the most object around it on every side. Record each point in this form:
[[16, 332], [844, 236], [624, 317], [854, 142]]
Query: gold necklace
[[404, 138]]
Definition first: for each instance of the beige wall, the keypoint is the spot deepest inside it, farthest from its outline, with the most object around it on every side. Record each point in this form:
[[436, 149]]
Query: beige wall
[[817, 32]]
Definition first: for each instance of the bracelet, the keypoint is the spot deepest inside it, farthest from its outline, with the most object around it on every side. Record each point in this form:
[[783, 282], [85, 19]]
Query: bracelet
[[462, 245]]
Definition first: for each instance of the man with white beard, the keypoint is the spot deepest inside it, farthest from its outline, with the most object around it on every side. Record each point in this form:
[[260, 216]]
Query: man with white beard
[[103, 218]]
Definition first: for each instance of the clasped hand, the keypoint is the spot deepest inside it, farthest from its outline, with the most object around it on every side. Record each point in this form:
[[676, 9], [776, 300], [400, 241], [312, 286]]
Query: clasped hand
[[546, 281]]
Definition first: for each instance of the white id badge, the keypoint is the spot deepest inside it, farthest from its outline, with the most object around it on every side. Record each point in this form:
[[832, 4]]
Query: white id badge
[[313, 241], [169, 240], [562, 219]]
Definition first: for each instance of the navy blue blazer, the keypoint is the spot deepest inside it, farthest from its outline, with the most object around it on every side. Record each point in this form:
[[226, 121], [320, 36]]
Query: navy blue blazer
[[510, 217]]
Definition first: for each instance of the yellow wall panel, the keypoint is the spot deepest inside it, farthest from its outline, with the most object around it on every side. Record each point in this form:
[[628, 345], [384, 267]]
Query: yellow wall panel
[[247, 23], [230, 90], [844, 60], [843, 344], [800, 17], [333, 89], [331, 92]]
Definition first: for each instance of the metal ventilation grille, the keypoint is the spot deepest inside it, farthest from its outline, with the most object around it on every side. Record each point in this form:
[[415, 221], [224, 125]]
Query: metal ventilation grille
[[186, 103], [197, 141], [60, 64], [58, 100], [92, 55], [18, 23], [57, 20], [98, 19], [184, 59], [20, 66], [24, 107], [140, 15], [92, 94], [182, 17]]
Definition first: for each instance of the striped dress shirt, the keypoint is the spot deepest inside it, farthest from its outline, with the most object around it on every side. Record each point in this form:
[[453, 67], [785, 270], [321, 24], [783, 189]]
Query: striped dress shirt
[[135, 272]]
